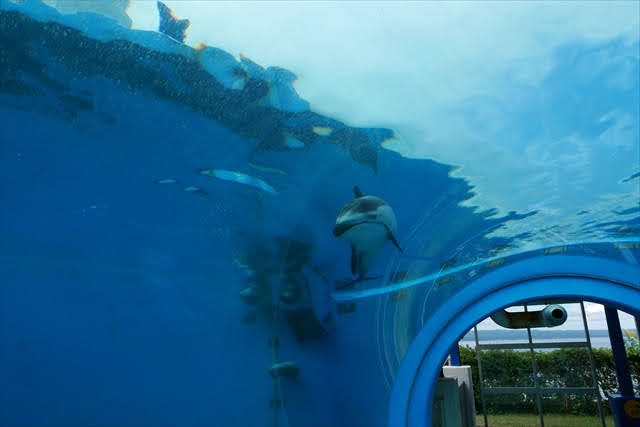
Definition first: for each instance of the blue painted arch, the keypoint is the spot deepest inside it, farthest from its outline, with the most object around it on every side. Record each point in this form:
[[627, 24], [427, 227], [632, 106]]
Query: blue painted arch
[[580, 277]]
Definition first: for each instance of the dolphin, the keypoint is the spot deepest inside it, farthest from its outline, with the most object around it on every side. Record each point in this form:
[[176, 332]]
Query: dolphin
[[367, 223]]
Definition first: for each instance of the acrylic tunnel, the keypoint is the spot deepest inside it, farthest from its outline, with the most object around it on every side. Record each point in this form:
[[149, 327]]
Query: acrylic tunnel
[[291, 214]]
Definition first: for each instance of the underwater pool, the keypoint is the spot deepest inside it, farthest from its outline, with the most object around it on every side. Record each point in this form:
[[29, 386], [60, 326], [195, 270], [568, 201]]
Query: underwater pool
[[243, 214]]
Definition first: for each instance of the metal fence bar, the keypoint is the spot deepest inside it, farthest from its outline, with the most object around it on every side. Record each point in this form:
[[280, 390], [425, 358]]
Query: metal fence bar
[[539, 391], [514, 346], [592, 361], [551, 390], [535, 374], [480, 377], [620, 362]]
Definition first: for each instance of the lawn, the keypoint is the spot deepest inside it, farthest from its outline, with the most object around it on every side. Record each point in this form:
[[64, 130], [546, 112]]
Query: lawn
[[551, 420]]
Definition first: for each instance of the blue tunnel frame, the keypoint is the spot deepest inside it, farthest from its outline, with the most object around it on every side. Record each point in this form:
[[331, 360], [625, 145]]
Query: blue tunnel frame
[[577, 277]]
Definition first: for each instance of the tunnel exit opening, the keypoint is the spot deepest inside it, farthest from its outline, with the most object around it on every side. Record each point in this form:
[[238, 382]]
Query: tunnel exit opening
[[614, 284]]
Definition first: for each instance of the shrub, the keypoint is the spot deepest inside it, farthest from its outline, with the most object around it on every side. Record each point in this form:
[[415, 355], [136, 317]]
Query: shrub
[[566, 367]]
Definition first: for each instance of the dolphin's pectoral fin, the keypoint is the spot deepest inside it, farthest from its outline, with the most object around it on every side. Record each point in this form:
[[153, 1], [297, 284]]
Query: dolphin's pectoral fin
[[393, 240], [357, 192], [354, 261]]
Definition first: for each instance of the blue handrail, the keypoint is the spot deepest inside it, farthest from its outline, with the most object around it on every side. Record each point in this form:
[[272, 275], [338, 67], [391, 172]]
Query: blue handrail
[[357, 294]]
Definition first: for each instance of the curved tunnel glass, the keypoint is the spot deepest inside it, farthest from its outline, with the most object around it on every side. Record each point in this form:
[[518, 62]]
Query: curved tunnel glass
[[594, 275], [194, 236]]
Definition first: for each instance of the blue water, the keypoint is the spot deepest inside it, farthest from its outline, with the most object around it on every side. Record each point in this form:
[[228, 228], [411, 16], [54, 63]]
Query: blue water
[[148, 185]]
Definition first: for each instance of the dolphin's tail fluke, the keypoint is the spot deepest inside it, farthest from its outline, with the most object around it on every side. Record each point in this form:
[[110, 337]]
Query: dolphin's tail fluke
[[361, 261], [354, 261]]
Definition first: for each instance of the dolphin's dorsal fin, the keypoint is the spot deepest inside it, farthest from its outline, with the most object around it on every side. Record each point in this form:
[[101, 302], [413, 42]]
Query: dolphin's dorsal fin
[[357, 192]]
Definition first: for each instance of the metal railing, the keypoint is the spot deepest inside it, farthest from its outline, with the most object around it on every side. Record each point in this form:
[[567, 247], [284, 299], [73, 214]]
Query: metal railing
[[537, 389]]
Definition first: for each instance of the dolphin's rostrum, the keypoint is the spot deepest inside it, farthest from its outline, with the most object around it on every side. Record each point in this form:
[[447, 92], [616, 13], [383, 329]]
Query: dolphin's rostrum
[[367, 223]]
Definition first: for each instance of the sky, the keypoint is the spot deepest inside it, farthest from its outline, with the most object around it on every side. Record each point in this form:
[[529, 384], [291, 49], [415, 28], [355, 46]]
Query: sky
[[536, 102]]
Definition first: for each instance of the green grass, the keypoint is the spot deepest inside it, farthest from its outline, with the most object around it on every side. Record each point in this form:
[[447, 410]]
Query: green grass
[[551, 420]]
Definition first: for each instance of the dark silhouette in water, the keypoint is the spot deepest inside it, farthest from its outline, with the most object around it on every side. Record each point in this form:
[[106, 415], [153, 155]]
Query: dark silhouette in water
[[367, 223], [285, 263]]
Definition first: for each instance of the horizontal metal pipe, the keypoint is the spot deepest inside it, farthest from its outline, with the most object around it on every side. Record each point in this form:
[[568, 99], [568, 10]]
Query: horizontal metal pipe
[[550, 316]]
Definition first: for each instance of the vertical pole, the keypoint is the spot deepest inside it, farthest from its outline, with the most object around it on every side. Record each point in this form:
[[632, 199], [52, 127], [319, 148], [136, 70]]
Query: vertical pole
[[594, 373], [535, 374], [625, 385], [484, 404], [274, 343], [455, 355]]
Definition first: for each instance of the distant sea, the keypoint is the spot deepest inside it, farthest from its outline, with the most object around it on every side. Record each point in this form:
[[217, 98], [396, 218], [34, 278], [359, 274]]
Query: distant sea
[[599, 338]]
